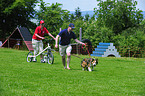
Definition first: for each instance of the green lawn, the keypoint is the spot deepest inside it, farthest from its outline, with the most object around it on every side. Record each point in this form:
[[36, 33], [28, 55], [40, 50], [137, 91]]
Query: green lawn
[[111, 77]]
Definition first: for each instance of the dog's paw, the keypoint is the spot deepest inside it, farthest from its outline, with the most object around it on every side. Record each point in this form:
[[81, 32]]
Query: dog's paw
[[89, 69], [83, 69]]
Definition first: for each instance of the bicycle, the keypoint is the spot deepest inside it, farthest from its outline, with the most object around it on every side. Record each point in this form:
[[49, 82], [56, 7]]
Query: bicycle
[[48, 56]]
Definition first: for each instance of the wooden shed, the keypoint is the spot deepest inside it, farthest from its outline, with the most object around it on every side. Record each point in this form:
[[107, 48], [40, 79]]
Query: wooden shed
[[19, 34]]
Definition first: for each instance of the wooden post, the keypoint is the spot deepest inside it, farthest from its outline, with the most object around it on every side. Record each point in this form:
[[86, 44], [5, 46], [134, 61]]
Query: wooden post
[[8, 43], [80, 39], [80, 34], [77, 48]]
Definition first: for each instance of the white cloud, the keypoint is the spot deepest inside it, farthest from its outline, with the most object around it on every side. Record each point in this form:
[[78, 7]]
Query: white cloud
[[85, 5]]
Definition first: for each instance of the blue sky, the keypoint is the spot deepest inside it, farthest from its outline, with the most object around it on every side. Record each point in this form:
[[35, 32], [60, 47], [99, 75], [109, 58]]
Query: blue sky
[[86, 5]]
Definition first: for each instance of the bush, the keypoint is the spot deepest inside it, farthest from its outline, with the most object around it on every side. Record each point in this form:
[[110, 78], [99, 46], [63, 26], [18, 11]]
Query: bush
[[131, 42]]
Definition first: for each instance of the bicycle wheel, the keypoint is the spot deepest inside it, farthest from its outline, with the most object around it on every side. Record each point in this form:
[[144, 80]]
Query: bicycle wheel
[[50, 58], [29, 57]]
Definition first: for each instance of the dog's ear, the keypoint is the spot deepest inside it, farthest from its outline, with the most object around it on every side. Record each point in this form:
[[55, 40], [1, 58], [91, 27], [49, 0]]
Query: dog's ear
[[96, 60]]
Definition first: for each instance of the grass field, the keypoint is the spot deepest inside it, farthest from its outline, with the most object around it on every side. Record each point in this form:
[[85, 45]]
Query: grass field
[[111, 77]]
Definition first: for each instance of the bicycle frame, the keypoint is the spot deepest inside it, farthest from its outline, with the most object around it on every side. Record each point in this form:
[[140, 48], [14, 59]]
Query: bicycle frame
[[48, 56], [48, 47]]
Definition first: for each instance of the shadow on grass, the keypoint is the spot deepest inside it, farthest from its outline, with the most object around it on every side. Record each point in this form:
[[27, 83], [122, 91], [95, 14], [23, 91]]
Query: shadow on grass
[[80, 69]]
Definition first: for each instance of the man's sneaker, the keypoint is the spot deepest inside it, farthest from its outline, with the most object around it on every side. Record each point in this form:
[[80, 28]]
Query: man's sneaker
[[42, 61], [34, 60]]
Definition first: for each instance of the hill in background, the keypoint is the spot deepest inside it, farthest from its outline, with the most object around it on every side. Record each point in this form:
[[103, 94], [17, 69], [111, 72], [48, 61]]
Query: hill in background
[[143, 14], [91, 13]]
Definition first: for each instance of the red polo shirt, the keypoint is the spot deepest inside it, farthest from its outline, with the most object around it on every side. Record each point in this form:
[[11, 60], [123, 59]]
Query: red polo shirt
[[40, 32]]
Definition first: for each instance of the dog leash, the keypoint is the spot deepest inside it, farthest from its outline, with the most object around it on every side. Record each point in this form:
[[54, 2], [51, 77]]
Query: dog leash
[[86, 49], [83, 48], [77, 56]]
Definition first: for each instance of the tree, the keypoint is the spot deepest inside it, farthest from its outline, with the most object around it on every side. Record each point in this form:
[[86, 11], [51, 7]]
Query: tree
[[78, 14], [16, 13], [72, 17], [53, 15], [86, 17], [118, 14]]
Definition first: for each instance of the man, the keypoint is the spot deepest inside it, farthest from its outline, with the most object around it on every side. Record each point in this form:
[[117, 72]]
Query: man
[[64, 44], [37, 39]]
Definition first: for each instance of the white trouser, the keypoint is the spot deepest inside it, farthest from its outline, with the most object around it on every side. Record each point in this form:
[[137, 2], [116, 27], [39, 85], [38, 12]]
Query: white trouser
[[37, 46]]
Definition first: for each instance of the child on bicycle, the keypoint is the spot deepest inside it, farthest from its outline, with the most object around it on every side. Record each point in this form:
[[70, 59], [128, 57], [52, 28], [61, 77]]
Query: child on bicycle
[[37, 39]]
